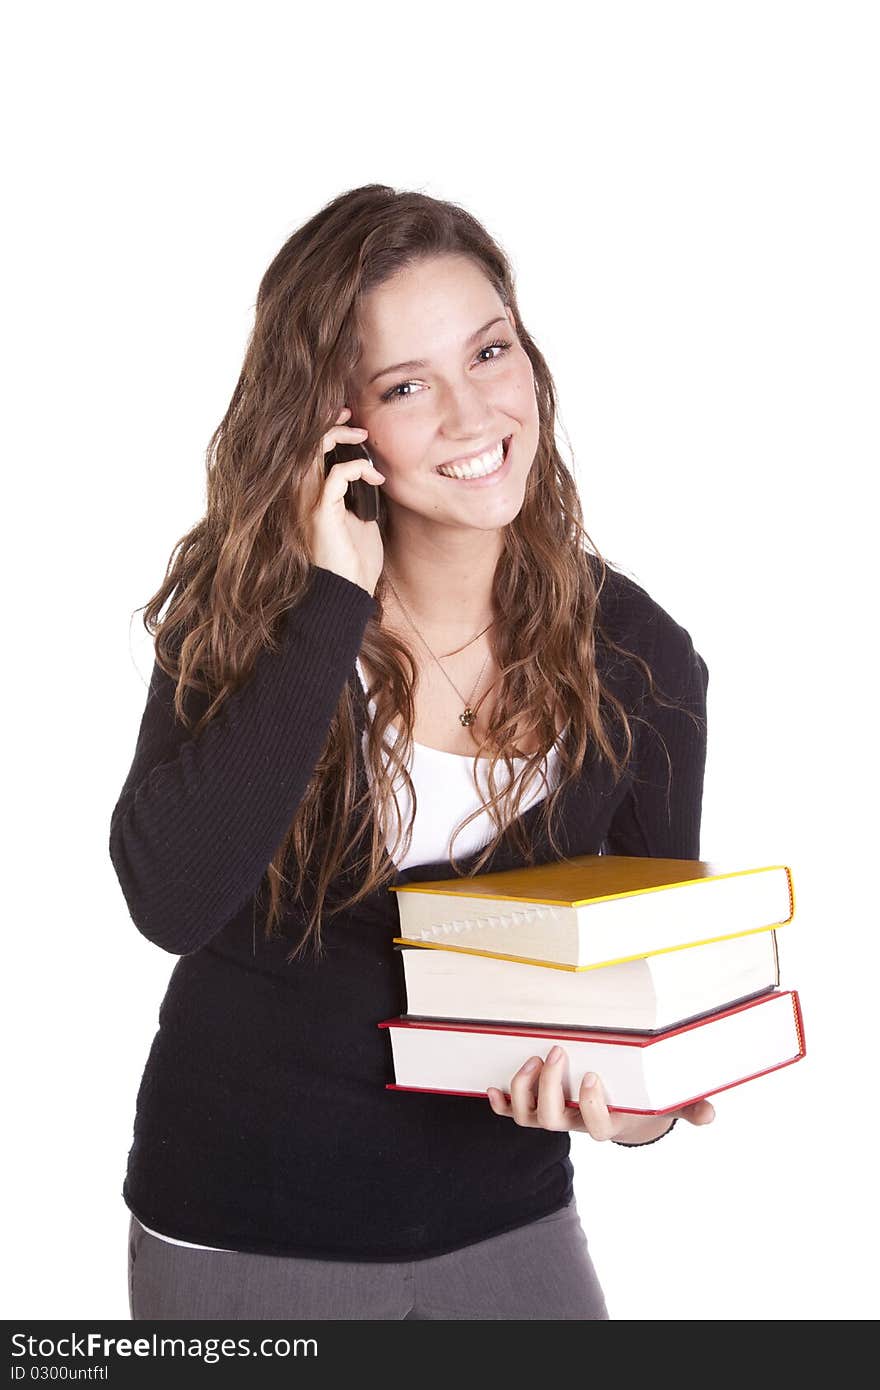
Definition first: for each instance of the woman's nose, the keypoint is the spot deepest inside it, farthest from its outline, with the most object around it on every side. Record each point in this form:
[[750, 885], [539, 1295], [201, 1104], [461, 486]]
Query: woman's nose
[[465, 412]]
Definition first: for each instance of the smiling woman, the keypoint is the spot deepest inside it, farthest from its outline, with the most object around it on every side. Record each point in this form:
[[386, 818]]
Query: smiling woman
[[471, 648], [470, 415]]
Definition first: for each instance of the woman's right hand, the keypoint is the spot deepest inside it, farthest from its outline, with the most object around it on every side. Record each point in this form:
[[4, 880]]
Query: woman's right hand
[[337, 539]]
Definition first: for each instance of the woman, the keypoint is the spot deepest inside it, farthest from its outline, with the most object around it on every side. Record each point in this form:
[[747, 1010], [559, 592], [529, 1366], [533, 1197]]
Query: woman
[[338, 705]]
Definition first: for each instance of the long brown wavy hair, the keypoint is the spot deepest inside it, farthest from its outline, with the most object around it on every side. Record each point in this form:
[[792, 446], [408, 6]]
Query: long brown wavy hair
[[232, 576]]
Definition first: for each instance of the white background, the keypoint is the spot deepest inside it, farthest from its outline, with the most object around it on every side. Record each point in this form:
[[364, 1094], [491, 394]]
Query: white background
[[688, 193]]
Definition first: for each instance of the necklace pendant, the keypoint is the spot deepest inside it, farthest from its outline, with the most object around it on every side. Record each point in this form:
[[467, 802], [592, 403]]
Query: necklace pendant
[[467, 717]]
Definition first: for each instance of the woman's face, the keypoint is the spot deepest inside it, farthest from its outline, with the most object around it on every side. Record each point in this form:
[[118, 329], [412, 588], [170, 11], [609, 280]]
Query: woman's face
[[462, 386]]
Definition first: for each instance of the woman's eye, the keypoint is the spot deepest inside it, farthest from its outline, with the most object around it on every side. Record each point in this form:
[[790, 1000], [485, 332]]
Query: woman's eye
[[392, 394], [503, 347], [499, 344]]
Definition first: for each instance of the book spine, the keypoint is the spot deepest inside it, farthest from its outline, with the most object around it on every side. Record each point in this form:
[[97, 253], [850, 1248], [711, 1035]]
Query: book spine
[[791, 900], [799, 1022]]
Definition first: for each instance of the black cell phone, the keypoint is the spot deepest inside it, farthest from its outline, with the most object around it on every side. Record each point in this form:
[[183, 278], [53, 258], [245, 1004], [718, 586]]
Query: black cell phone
[[360, 497]]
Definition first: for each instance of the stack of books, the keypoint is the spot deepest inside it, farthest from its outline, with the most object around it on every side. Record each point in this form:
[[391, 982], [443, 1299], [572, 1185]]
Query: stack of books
[[661, 975]]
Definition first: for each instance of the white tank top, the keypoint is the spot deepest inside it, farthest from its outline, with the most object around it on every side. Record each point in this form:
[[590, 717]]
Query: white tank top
[[445, 793]]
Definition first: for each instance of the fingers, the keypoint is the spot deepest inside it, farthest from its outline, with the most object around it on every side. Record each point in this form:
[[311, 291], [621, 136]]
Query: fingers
[[499, 1102], [341, 474], [551, 1108], [702, 1112], [523, 1092], [594, 1110], [351, 434], [538, 1100], [537, 1095]]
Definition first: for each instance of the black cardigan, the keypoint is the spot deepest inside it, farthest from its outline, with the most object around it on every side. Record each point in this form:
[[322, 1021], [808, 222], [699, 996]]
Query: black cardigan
[[262, 1121]]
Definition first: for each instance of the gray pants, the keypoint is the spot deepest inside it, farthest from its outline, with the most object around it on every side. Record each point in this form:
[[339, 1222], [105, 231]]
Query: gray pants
[[542, 1270]]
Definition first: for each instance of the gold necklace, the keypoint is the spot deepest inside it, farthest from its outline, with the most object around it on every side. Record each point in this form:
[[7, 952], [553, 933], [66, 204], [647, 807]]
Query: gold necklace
[[467, 716]]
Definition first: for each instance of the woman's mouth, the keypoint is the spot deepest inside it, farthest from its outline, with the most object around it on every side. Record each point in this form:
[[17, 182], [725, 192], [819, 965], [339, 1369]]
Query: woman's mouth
[[489, 468]]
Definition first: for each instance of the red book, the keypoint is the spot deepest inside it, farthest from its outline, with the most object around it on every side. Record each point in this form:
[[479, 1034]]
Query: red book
[[646, 1074]]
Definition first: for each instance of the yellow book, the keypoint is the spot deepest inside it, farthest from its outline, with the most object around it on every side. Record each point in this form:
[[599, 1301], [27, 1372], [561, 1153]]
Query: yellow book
[[594, 909]]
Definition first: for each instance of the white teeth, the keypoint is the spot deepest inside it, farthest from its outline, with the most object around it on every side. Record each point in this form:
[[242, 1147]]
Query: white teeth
[[476, 468]]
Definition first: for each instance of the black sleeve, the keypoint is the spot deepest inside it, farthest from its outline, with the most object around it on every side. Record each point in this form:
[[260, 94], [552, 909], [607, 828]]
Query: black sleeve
[[199, 820], [660, 815]]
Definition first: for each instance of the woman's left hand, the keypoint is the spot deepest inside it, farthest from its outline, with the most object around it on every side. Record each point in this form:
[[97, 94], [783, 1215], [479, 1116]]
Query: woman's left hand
[[538, 1101]]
